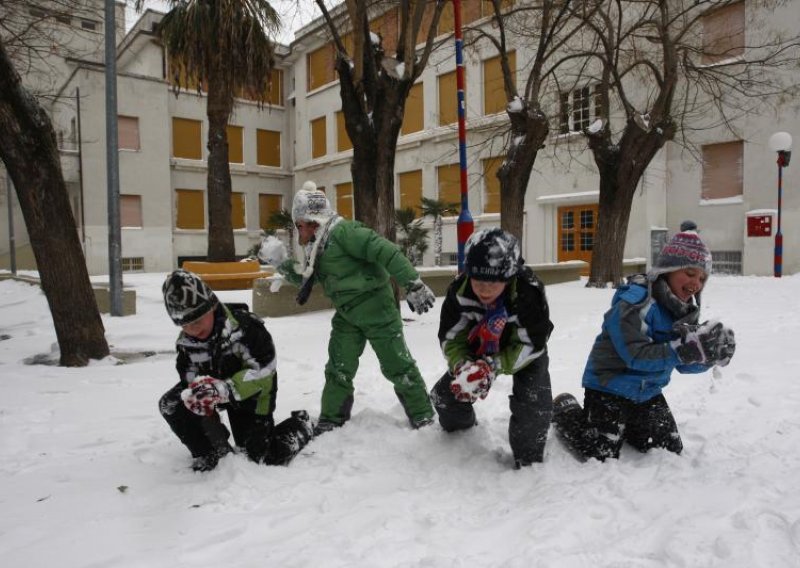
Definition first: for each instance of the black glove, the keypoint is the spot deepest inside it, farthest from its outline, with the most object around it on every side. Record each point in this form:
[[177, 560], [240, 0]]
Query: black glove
[[702, 343], [420, 298]]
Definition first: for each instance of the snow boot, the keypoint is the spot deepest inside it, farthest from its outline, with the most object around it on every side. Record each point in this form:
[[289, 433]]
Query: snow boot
[[324, 425], [209, 461], [421, 422]]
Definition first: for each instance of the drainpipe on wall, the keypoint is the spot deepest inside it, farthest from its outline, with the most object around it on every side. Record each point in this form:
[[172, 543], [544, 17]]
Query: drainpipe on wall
[[12, 242], [80, 170]]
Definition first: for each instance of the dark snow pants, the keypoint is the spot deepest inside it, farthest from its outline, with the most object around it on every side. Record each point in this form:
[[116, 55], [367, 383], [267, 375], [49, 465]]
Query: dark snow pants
[[531, 405], [263, 441], [607, 421], [374, 318]]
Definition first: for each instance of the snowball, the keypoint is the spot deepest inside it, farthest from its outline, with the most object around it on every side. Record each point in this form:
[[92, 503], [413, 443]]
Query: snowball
[[272, 251], [596, 126]]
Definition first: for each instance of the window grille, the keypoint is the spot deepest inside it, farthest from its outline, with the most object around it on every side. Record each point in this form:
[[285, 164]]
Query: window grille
[[727, 262], [133, 264]]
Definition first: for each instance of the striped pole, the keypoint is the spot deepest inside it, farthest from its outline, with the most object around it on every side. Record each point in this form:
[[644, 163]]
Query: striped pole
[[465, 225]]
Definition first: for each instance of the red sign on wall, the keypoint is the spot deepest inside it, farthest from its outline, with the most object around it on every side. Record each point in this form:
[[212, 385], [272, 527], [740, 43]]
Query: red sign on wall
[[759, 226]]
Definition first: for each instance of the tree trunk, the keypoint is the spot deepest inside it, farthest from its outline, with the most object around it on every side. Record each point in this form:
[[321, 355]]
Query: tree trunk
[[29, 150], [374, 137], [529, 130], [612, 230], [221, 247], [621, 168]]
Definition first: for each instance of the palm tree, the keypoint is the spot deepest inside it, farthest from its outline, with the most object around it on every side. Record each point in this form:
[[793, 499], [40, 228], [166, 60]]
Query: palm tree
[[414, 239], [225, 47], [437, 209]]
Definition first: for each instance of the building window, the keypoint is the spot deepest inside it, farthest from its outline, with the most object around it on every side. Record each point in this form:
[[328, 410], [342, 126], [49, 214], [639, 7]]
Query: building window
[[89, 25], [491, 201], [268, 205], [132, 264], [320, 65], [235, 144], [268, 148], [237, 210], [449, 183], [575, 109], [344, 199], [319, 145], [186, 139], [128, 132], [130, 211], [343, 142], [413, 117], [448, 99], [189, 209], [410, 187], [723, 33], [722, 170], [37, 13], [63, 19], [494, 93], [275, 95]]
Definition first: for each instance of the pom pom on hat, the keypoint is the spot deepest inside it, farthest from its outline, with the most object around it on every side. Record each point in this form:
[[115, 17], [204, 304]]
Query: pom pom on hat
[[309, 186], [684, 250]]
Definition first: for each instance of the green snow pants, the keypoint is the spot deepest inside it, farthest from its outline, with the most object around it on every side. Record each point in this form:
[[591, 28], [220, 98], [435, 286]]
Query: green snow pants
[[372, 317]]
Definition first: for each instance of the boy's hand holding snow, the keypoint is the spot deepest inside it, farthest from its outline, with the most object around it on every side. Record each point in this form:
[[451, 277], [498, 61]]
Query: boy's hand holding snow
[[703, 343], [204, 394], [420, 298], [472, 381]]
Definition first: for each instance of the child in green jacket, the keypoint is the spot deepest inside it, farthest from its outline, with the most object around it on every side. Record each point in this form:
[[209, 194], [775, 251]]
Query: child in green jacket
[[353, 264]]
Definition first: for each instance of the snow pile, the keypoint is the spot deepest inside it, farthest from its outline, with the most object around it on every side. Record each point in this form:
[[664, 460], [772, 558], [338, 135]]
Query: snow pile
[[90, 474]]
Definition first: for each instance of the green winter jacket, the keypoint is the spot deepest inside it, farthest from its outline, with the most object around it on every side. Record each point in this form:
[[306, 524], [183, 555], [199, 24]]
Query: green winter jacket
[[357, 261]]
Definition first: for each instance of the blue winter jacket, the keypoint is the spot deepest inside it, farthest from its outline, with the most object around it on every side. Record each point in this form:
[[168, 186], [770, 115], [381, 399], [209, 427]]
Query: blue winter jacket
[[632, 357]]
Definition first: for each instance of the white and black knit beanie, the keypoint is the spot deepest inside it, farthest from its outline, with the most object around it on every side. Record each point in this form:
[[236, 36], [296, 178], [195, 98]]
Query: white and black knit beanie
[[492, 255], [684, 250], [186, 297], [311, 204]]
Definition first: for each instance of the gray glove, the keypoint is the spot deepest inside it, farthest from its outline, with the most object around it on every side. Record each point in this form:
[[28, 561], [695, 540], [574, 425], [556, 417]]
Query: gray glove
[[420, 298], [709, 343]]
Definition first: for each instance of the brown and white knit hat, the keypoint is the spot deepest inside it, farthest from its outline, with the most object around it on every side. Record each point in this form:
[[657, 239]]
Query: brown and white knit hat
[[684, 250]]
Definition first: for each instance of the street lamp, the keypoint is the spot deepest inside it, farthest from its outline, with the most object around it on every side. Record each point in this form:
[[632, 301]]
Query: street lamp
[[780, 142]]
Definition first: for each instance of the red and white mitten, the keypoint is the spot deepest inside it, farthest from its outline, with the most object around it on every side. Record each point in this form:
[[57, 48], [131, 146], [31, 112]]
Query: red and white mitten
[[204, 394], [472, 380]]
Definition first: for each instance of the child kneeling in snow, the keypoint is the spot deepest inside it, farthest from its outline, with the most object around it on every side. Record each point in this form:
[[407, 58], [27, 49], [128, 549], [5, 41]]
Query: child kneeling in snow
[[651, 329], [495, 320], [226, 360]]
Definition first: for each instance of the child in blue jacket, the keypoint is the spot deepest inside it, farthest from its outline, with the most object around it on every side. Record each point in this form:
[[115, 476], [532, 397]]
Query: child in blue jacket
[[652, 328]]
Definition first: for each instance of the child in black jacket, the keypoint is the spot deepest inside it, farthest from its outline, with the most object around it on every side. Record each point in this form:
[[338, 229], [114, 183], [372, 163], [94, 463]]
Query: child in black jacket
[[226, 361], [495, 320]]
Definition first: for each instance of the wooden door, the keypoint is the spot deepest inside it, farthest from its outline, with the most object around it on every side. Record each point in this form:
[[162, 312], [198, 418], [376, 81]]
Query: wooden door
[[576, 227]]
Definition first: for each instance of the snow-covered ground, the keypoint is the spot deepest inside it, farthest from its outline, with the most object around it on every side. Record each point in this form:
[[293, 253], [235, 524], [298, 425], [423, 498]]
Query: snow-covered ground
[[91, 476]]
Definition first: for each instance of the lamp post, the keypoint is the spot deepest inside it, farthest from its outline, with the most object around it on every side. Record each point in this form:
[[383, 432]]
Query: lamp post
[[780, 142]]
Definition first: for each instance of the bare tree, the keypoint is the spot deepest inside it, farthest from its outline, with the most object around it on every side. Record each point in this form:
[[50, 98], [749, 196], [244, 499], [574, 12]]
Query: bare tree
[[29, 150], [374, 87], [654, 67], [551, 30]]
